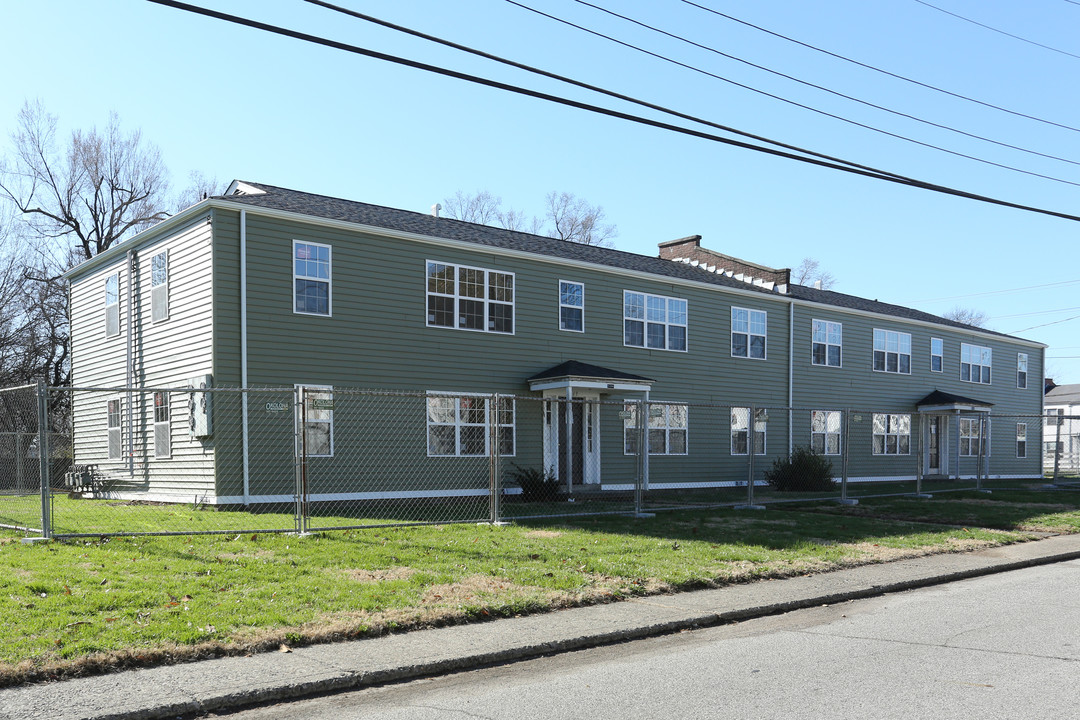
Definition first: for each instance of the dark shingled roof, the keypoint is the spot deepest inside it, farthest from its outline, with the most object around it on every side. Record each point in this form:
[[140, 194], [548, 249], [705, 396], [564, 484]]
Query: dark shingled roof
[[573, 368], [943, 398], [1064, 395], [321, 206]]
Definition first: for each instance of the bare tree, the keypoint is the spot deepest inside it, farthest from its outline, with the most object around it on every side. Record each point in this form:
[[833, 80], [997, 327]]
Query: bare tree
[[968, 316], [566, 217], [98, 188], [199, 188], [809, 272]]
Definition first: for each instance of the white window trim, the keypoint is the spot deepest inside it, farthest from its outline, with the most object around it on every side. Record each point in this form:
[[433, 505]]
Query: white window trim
[[749, 440], [630, 423], [827, 344], [985, 438], [889, 433], [1023, 440], [488, 409], [940, 355], [574, 307], [1019, 355], [825, 444], [296, 416], [645, 322], [457, 298], [328, 280], [970, 365], [163, 426], [749, 334], [873, 350], [164, 286], [109, 305]]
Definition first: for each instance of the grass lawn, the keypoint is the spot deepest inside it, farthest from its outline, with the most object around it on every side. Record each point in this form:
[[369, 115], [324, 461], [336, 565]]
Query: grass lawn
[[87, 605]]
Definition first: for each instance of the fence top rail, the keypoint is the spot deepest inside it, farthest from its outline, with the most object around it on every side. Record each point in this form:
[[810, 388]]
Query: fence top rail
[[18, 387]]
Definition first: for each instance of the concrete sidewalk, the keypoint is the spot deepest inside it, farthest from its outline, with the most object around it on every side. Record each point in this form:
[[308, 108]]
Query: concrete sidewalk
[[168, 691]]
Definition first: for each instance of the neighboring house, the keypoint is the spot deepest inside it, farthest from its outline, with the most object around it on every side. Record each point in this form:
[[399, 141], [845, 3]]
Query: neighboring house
[[269, 287], [1061, 435]]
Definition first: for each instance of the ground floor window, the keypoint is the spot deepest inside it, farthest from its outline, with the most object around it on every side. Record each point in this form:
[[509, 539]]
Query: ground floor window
[[667, 429], [740, 430], [162, 428], [457, 425], [1021, 440], [892, 434], [825, 432], [971, 439], [115, 428]]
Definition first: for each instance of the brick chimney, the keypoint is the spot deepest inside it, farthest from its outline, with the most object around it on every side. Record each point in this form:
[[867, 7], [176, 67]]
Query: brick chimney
[[689, 249]]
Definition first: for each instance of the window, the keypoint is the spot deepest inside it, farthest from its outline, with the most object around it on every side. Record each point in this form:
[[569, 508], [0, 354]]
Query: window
[[667, 429], [116, 432], [1021, 370], [571, 306], [318, 420], [892, 434], [470, 298], [457, 425], [112, 305], [162, 429], [892, 351], [975, 362], [970, 438], [748, 331], [159, 287], [828, 340], [653, 321], [825, 432], [937, 354], [740, 428], [1021, 440], [311, 278]]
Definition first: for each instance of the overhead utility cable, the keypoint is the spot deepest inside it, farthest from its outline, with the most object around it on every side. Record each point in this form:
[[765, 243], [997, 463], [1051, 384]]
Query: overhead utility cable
[[994, 29], [883, 72], [889, 177], [786, 100], [586, 86], [807, 83]]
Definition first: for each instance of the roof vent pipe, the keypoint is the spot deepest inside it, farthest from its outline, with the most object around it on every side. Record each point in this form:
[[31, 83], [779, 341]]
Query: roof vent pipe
[[435, 210], [817, 284]]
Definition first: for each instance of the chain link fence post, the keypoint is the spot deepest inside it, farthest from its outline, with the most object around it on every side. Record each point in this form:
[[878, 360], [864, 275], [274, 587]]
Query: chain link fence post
[[493, 458], [300, 403], [43, 458], [845, 442]]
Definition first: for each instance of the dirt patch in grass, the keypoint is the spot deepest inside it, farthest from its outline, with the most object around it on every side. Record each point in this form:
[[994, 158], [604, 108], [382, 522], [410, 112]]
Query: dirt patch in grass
[[543, 534], [373, 576]]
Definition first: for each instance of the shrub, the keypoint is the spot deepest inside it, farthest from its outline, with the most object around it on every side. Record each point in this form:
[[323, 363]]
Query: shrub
[[536, 485], [803, 471]]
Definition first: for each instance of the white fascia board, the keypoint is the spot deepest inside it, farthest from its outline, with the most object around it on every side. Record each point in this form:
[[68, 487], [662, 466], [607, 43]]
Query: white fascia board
[[561, 383], [931, 409], [225, 204]]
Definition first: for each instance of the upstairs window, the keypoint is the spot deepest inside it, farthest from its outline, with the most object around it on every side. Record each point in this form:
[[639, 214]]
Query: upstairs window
[[827, 342], [892, 434], [311, 278], [112, 305], [468, 298], [892, 352], [654, 321], [975, 362], [740, 430], [571, 306], [748, 333], [1021, 370], [937, 354], [159, 287]]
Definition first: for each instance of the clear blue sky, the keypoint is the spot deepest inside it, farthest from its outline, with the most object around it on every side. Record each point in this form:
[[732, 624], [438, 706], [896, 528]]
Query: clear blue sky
[[234, 102]]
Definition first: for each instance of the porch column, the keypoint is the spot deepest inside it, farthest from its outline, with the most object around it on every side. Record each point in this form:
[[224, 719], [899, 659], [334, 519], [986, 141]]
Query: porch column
[[569, 439]]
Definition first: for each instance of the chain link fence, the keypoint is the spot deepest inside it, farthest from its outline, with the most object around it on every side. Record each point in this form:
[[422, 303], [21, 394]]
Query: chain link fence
[[190, 460]]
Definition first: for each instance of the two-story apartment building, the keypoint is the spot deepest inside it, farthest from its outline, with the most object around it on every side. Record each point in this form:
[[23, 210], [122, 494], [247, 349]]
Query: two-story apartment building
[[269, 287]]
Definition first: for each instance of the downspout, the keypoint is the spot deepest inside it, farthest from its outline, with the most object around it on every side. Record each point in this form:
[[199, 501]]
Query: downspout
[[129, 368], [244, 354], [790, 372]]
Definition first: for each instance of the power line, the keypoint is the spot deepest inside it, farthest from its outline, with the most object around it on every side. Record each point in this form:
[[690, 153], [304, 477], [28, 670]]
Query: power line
[[1056, 322], [884, 72], [899, 180], [1038, 312], [786, 100], [837, 93], [988, 27], [1000, 292]]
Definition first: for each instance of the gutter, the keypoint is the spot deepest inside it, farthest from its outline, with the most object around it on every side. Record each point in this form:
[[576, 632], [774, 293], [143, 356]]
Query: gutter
[[244, 354]]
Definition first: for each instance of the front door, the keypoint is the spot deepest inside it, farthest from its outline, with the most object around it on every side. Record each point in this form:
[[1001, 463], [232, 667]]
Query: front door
[[933, 446], [571, 444]]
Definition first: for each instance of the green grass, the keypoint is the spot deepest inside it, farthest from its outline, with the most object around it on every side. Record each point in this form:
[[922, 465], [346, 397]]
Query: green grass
[[86, 605]]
